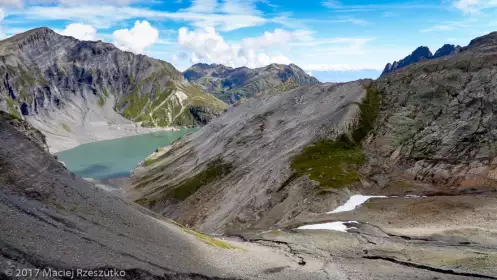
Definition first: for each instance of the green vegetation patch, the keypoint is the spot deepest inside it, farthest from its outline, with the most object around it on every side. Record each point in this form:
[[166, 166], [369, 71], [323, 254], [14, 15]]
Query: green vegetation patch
[[149, 161], [335, 164], [134, 103], [210, 240], [214, 171], [206, 238], [101, 101], [12, 105], [106, 92]]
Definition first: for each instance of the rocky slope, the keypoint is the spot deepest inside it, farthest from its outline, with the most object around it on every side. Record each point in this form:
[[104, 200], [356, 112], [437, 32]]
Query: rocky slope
[[426, 130], [53, 222], [421, 54], [242, 161], [231, 85], [73, 90]]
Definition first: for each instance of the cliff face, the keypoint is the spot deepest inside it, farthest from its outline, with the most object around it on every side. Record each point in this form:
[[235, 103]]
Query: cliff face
[[64, 86], [421, 54], [438, 120], [231, 85]]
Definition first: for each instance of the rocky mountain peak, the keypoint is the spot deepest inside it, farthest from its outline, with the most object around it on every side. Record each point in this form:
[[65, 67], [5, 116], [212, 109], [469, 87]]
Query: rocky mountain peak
[[447, 49], [420, 54], [484, 41]]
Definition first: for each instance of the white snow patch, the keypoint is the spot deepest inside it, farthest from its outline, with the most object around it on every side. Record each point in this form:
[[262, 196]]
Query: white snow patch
[[353, 202], [336, 226]]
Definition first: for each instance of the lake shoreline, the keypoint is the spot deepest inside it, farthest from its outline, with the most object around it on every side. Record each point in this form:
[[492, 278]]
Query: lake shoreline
[[117, 158], [58, 143]]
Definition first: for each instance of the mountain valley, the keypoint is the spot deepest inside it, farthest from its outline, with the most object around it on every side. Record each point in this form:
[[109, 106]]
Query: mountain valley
[[283, 177]]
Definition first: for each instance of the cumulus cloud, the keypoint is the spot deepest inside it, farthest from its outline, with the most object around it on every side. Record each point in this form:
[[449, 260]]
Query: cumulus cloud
[[137, 39], [80, 31], [209, 46]]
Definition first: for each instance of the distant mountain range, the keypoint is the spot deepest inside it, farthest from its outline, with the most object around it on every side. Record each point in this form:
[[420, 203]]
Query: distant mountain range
[[420, 54], [232, 84]]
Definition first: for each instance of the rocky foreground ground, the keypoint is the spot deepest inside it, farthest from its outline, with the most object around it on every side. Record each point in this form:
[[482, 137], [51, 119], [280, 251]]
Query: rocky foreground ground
[[52, 219]]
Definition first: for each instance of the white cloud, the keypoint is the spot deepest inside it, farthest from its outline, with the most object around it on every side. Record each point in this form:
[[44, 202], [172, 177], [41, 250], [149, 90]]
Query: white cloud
[[11, 3], [239, 7], [474, 6], [102, 18], [94, 2], [209, 46], [268, 39], [80, 31], [203, 6], [467, 6], [137, 39]]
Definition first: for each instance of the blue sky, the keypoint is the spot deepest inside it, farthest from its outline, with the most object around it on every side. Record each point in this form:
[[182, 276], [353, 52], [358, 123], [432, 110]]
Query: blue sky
[[334, 40]]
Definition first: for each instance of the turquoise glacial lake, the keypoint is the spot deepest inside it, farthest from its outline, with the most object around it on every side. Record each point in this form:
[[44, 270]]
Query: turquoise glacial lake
[[118, 157]]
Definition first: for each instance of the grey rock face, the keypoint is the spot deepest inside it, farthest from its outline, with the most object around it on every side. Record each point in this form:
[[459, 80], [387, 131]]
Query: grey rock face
[[231, 85], [63, 85], [438, 120], [257, 141]]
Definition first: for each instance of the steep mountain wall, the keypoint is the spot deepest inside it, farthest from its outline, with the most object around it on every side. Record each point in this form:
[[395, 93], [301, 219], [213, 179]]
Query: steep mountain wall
[[77, 89], [438, 120]]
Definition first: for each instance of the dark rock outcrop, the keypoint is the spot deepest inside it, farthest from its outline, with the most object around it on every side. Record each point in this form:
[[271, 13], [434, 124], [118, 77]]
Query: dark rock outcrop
[[421, 54], [232, 84]]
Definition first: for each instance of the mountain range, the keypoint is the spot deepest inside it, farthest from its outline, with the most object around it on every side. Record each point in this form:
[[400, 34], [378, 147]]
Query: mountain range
[[232, 84], [420, 54]]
